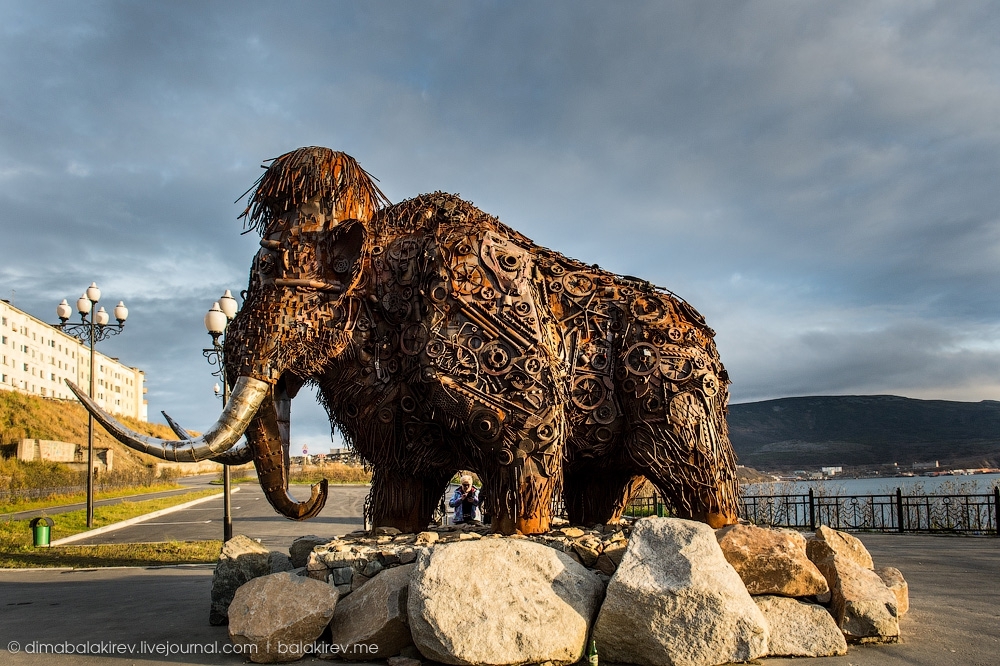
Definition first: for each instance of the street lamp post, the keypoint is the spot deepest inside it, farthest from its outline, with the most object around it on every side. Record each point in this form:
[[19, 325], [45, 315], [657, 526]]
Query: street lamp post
[[90, 331], [217, 321]]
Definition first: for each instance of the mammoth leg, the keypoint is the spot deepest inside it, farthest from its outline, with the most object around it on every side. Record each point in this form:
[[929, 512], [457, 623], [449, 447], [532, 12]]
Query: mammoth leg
[[695, 484], [535, 511], [519, 499], [599, 494], [404, 499]]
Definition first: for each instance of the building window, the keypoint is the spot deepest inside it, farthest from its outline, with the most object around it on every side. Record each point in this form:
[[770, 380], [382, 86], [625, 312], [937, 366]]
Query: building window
[[25, 367]]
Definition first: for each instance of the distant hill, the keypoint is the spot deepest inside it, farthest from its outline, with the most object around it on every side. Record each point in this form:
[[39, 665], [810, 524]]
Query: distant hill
[[864, 430]]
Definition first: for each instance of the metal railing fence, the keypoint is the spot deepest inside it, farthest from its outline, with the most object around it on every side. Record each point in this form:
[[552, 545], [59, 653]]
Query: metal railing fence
[[974, 514], [955, 514]]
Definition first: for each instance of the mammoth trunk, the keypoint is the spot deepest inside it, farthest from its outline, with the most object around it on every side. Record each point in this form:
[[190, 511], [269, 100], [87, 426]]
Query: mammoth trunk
[[267, 436]]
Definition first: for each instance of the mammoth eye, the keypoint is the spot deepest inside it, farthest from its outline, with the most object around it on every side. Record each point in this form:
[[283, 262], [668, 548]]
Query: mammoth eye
[[266, 262], [341, 265]]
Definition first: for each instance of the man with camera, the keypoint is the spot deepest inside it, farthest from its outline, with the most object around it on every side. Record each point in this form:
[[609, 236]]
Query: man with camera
[[465, 501]]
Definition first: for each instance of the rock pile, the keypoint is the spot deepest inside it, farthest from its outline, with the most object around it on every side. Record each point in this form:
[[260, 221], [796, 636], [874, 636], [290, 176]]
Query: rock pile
[[866, 610], [242, 559], [349, 561], [662, 592]]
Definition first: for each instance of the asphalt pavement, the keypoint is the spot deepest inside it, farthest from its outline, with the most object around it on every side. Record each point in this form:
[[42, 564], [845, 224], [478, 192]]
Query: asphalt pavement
[[252, 516]]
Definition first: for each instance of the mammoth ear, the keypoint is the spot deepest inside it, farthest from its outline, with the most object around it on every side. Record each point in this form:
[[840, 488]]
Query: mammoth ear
[[342, 251]]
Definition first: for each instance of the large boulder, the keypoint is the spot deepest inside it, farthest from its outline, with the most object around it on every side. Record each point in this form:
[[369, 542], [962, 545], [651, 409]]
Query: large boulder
[[299, 551], [242, 559], [865, 609], [281, 615], [375, 615], [500, 601], [675, 600], [280, 562], [771, 561], [848, 547], [893, 579], [799, 629]]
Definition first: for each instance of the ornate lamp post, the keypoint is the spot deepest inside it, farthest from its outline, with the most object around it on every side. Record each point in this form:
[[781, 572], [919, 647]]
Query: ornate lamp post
[[90, 331], [217, 321]]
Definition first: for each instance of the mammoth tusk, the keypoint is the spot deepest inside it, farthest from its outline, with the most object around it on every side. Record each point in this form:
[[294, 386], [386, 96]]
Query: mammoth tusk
[[240, 410], [240, 454], [176, 427]]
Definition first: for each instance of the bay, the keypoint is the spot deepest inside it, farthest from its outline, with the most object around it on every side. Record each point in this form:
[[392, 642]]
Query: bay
[[977, 484]]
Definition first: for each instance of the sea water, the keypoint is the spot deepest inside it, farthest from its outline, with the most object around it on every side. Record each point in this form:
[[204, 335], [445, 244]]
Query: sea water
[[976, 484]]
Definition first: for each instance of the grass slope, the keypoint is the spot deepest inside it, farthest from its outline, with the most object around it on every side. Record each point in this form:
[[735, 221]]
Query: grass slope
[[25, 416]]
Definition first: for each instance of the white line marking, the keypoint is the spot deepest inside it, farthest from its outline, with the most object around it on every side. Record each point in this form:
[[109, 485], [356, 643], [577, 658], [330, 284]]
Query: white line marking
[[131, 521]]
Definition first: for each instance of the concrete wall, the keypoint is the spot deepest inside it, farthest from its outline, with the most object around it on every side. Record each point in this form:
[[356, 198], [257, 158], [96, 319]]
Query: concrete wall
[[46, 449], [49, 450]]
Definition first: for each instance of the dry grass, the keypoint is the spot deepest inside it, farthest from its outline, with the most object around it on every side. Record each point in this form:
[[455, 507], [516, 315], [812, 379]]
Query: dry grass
[[333, 472], [115, 555], [25, 416], [75, 498]]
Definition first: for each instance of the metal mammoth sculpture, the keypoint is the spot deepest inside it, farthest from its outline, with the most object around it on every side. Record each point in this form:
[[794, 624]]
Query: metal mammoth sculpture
[[440, 339]]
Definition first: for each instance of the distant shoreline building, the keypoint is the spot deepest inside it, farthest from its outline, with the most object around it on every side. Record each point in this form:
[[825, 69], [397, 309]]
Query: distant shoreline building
[[37, 358]]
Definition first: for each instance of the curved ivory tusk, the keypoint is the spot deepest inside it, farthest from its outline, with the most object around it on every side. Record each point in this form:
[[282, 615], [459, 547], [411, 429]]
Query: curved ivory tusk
[[240, 454], [241, 408], [176, 427]]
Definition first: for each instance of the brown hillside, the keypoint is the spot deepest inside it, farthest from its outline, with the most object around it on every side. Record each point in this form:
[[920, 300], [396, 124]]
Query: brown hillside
[[31, 417]]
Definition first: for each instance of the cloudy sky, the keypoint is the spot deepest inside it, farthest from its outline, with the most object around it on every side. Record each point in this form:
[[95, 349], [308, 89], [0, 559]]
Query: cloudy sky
[[819, 179]]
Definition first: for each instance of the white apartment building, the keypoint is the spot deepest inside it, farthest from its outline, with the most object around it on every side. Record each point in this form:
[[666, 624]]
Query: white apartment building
[[37, 358]]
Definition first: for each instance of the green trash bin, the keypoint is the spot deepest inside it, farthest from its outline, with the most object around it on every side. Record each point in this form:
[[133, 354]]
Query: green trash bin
[[41, 528]]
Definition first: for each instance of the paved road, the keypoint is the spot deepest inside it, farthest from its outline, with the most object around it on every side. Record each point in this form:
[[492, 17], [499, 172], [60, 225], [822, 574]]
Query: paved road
[[954, 616], [252, 516], [189, 483]]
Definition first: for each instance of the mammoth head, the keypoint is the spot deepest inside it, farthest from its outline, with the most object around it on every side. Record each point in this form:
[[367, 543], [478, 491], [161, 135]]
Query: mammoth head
[[310, 207]]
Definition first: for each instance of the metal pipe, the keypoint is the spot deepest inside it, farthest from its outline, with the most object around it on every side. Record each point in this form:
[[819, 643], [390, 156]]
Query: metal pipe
[[333, 287], [90, 435], [227, 492]]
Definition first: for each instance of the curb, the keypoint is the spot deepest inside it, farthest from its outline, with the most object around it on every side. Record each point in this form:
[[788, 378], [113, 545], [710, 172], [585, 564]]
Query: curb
[[132, 521], [75, 506]]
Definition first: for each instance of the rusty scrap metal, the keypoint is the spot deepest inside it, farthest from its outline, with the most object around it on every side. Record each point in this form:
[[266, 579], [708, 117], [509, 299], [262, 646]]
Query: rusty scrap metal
[[451, 342]]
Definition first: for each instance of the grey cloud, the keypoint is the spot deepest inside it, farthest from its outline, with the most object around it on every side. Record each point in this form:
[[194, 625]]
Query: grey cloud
[[840, 157]]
